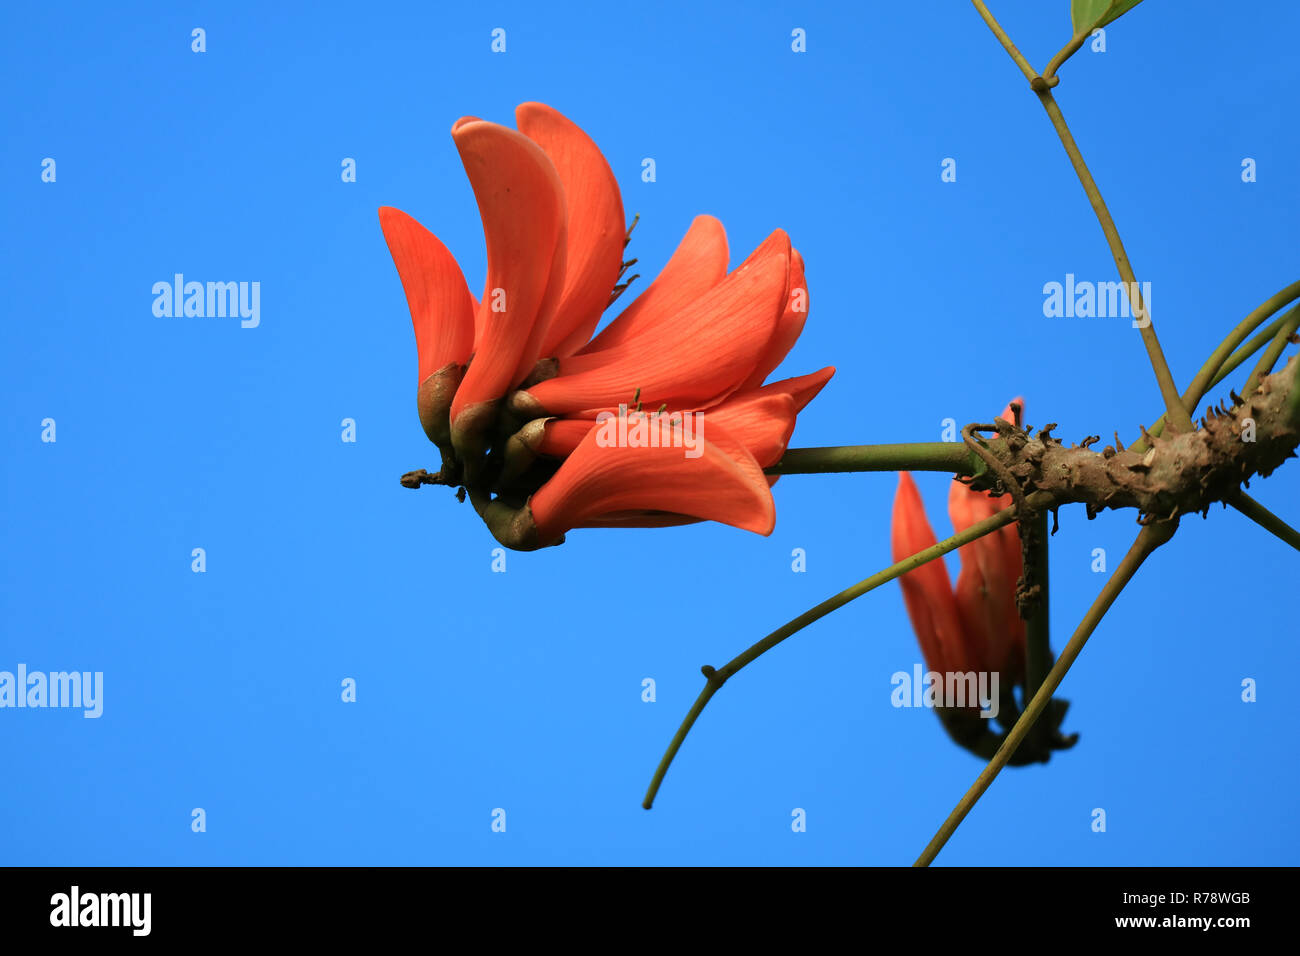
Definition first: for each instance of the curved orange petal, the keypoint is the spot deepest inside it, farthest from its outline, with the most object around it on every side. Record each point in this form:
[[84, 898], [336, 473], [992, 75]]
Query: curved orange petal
[[442, 310], [639, 519], [927, 591], [698, 356], [521, 201], [777, 241], [596, 232], [723, 484], [561, 435], [986, 585], [802, 388], [790, 326], [698, 265], [762, 423]]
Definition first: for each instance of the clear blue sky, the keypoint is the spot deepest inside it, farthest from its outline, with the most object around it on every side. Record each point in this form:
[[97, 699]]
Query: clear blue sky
[[481, 690]]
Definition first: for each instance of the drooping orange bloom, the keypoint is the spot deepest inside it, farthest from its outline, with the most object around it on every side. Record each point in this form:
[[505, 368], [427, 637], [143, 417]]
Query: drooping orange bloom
[[976, 626], [513, 387]]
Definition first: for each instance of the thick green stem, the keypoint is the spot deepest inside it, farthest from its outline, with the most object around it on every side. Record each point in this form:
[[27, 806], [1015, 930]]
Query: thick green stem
[[1150, 538], [952, 457], [716, 678]]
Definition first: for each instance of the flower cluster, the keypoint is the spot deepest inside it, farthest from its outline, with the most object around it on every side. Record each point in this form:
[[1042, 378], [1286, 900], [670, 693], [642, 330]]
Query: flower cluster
[[663, 417]]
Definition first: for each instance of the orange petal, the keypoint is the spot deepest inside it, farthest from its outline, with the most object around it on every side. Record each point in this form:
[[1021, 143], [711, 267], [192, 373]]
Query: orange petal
[[562, 435], [790, 326], [927, 592], [697, 357], [803, 388], [440, 302], [723, 484], [762, 423], [777, 241], [639, 519], [521, 201], [596, 231], [699, 264], [986, 584]]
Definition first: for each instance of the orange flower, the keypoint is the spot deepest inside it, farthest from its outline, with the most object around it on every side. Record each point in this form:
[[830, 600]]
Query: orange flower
[[976, 626], [495, 373]]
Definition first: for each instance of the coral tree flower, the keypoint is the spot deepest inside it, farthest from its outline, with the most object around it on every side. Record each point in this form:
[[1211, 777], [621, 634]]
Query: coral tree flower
[[975, 626], [518, 394]]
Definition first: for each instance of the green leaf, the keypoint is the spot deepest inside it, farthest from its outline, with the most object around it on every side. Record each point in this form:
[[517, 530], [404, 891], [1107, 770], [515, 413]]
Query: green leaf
[[1090, 14]]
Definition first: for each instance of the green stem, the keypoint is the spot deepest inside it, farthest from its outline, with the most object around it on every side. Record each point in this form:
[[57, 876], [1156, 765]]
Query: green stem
[[1206, 377], [1155, 354], [1275, 347], [716, 678], [1221, 364], [1150, 538], [1067, 51], [952, 457], [1030, 73], [1257, 513], [1174, 408]]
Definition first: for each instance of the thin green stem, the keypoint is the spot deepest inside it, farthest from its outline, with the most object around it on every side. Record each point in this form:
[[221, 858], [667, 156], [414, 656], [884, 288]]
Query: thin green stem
[[1150, 538], [1030, 73], [1223, 360], [1164, 378], [1174, 408], [1270, 356], [952, 457], [1067, 51], [1257, 513], [716, 678], [1205, 378]]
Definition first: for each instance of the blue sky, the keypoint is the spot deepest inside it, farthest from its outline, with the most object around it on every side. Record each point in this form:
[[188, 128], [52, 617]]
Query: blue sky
[[522, 690]]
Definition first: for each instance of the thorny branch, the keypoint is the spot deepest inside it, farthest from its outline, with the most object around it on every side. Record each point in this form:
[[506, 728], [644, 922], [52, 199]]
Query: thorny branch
[[1184, 473]]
